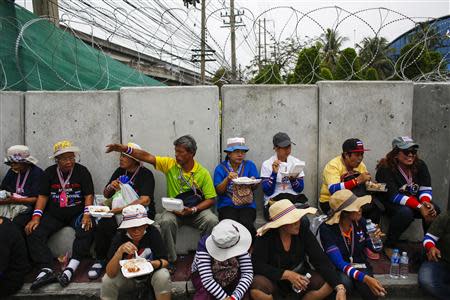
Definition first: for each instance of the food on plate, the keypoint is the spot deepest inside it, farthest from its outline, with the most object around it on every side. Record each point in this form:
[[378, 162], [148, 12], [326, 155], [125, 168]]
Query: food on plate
[[131, 266], [370, 185]]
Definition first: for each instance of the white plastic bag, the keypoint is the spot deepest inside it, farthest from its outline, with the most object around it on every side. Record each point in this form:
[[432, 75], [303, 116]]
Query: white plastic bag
[[122, 198]]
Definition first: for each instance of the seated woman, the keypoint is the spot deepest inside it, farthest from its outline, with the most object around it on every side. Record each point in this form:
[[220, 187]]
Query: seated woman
[[222, 267], [22, 181], [236, 202], [142, 181], [344, 237], [14, 264], [280, 257], [141, 237], [66, 191], [275, 185], [409, 192]]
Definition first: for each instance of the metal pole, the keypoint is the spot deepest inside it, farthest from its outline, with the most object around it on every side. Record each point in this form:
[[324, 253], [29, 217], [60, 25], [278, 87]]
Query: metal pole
[[233, 41], [47, 8], [203, 42], [259, 44], [265, 43]]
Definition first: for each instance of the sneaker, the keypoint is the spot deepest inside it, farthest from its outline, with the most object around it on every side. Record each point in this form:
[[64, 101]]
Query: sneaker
[[371, 255]]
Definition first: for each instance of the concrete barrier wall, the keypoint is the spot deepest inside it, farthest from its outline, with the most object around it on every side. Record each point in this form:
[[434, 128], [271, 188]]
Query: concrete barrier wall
[[90, 119], [155, 117], [11, 124], [374, 112], [257, 112], [431, 129]]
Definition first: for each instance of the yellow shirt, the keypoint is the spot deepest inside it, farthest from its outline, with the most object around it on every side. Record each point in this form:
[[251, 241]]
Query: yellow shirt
[[332, 174]]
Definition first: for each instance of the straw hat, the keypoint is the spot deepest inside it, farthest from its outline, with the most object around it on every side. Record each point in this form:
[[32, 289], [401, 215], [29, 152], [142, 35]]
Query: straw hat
[[228, 239], [62, 147], [19, 154], [134, 216], [284, 212], [345, 200], [134, 146]]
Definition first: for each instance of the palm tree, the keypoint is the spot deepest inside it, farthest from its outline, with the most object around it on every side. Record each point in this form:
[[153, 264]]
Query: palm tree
[[332, 43], [374, 52]]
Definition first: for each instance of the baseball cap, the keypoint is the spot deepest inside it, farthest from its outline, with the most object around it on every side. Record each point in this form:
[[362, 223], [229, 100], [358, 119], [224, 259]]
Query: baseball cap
[[404, 142], [353, 145], [281, 139]]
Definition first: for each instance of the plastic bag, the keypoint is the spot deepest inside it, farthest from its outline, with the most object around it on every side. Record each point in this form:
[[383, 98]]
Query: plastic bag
[[122, 198]]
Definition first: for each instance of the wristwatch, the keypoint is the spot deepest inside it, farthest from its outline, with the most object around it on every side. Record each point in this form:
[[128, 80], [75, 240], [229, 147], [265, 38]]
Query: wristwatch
[[194, 209]]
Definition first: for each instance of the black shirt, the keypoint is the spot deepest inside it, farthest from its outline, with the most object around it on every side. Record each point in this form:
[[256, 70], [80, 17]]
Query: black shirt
[[79, 186], [143, 183], [271, 260], [14, 263], [150, 247]]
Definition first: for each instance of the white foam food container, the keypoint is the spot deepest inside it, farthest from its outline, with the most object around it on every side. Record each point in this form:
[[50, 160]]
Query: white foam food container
[[172, 204], [99, 211], [145, 267], [246, 180]]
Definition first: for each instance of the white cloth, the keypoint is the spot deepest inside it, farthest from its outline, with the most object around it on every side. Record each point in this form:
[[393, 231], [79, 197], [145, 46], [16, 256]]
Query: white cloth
[[283, 185]]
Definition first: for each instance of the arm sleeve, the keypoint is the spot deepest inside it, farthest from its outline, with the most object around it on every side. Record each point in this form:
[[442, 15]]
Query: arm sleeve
[[115, 244], [335, 255], [269, 183], [207, 185], [114, 176], [219, 174], [319, 260], [206, 275], [260, 258], [35, 183], [385, 175], [435, 231], [158, 246], [298, 184], [87, 185], [332, 178], [147, 187], [44, 184], [425, 190], [164, 164], [246, 268]]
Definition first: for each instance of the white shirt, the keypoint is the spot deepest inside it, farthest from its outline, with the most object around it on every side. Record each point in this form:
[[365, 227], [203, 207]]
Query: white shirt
[[283, 185]]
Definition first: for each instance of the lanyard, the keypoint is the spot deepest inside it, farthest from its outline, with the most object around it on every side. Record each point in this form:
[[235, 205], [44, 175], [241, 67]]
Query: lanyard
[[181, 177], [19, 187], [352, 242], [230, 169], [61, 181], [134, 174], [408, 178]]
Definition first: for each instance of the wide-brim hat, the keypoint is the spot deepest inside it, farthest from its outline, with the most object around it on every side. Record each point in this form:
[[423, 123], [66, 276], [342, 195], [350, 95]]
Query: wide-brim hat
[[228, 239], [345, 200], [284, 212], [134, 216], [236, 143], [134, 146], [19, 154], [62, 147]]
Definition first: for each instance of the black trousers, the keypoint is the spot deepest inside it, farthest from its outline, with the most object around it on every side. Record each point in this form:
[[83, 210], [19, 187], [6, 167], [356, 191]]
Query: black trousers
[[37, 241], [9, 287], [246, 216], [352, 285], [104, 233], [400, 217]]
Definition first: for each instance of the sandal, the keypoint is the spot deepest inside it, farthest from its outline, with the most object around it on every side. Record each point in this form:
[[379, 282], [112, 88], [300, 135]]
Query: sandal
[[63, 279], [96, 270]]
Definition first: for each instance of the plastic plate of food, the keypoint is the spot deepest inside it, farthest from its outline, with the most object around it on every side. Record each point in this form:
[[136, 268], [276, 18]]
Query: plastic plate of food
[[172, 204], [135, 267], [99, 211], [375, 186], [246, 180]]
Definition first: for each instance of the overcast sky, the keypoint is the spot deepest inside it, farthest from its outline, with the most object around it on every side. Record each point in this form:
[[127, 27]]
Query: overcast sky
[[287, 18]]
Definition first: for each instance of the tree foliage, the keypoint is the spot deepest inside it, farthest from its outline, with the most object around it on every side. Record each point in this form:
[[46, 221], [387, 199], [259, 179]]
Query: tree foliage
[[348, 65], [308, 66], [269, 74]]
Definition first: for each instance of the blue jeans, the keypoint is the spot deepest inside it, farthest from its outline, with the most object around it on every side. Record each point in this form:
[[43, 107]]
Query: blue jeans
[[434, 277]]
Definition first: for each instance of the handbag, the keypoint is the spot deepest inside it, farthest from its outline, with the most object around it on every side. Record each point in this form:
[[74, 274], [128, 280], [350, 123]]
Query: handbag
[[241, 194], [192, 197], [225, 272]]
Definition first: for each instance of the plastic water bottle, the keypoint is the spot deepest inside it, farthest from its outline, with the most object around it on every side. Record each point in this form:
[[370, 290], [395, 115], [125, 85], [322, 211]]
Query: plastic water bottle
[[300, 290], [376, 241], [404, 268], [395, 264]]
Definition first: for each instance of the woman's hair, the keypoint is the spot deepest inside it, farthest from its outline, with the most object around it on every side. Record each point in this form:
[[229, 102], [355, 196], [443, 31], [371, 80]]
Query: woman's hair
[[390, 161]]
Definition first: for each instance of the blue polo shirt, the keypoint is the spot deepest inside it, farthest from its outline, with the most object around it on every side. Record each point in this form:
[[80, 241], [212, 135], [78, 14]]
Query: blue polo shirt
[[224, 200]]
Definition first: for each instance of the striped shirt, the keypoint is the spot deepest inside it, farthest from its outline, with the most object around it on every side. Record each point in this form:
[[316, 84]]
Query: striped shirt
[[202, 264]]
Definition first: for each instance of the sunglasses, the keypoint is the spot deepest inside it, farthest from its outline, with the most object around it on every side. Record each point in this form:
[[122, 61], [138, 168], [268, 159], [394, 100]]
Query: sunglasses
[[409, 151]]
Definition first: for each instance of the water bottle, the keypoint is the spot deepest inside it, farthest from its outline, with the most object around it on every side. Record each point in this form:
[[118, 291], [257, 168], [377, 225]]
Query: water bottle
[[376, 241], [395, 265], [300, 290], [404, 268]]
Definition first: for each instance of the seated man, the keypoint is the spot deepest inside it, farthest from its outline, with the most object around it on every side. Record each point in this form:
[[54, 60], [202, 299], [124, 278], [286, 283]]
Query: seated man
[[142, 181], [141, 238], [14, 263], [66, 191], [275, 185], [347, 171], [22, 181], [187, 180], [434, 274]]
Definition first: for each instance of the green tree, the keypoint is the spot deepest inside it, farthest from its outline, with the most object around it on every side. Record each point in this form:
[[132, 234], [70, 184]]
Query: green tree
[[221, 76], [332, 43], [427, 35], [308, 66], [374, 52], [326, 74], [414, 62], [269, 74], [348, 65], [371, 74]]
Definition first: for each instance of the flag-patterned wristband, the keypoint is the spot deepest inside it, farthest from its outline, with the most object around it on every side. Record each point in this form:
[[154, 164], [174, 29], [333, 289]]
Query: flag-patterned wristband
[[86, 209], [129, 150], [37, 213]]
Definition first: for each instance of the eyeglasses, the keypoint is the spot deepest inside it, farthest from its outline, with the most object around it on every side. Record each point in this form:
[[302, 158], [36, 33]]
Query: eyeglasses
[[66, 159], [409, 151]]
